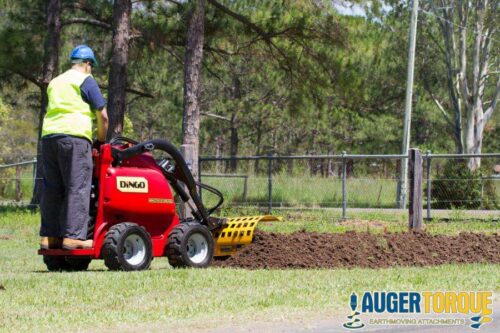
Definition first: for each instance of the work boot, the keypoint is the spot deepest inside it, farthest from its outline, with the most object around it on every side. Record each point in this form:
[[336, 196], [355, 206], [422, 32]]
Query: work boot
[[71, 244], [47, 243]]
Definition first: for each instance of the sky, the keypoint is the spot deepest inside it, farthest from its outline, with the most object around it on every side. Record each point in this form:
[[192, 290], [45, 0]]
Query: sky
[[348, 8], [345, 7]]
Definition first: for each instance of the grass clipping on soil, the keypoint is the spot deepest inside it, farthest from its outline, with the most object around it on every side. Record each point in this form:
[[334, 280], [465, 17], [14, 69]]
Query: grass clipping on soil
[[303, 249]]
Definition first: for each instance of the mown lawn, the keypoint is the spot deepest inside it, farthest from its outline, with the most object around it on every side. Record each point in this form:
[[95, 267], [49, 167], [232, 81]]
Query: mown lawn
[[323, 220], [32, 299]]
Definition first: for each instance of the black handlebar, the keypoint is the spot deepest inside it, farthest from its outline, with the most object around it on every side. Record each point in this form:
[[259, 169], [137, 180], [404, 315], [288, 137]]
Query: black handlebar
[[181, 173], [118, 139]]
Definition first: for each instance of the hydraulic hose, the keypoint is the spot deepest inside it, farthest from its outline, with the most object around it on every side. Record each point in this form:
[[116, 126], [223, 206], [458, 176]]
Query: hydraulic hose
[[181, 173]]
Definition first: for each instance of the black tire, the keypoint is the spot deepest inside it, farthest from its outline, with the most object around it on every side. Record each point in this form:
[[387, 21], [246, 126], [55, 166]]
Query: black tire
[[66, 264], [55, 263], [180, 250], [77, 264], [120, 244]]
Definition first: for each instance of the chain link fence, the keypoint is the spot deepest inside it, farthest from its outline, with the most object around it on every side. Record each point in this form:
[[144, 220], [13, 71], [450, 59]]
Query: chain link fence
[[325, 181], [16, 181], [351, 181], [450, 184]]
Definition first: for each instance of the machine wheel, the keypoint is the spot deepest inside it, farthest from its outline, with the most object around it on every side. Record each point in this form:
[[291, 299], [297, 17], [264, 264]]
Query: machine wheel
[[127, 247], [77, 264], [55, 263], [190, 245], [67, 264]]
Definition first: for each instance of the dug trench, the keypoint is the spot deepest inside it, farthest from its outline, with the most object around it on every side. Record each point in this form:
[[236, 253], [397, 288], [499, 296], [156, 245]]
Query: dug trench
[[303, 249]]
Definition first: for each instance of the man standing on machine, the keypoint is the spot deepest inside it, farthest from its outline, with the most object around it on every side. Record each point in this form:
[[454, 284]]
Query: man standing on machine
[[74, 102]]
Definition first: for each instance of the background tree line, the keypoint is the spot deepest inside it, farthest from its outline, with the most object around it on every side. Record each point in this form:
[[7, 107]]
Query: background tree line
[[256, 77]]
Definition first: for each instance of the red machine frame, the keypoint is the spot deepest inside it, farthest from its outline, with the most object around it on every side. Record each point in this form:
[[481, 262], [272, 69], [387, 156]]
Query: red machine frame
[[136, 191]]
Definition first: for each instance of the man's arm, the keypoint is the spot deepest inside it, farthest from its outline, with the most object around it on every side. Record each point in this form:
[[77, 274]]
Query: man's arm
[[102, 124], [91, 94]]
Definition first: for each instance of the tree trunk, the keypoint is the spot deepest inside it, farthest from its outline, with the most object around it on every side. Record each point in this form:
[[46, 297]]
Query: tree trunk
[[474, 136], [219, 148], [19, 192], [50, 66], [331, 166], [235, 96], [258, 141], [350, 168], [467, 84], [51, 60], [233, 149], [118, 66], [192, 81], [475, 113]]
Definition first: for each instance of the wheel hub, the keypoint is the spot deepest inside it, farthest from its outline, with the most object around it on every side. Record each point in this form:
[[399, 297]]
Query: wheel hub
[[197, 248], [134, 249]]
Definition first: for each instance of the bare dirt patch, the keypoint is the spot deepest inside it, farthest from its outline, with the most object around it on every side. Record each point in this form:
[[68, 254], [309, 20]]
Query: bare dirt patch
[[362, 249]]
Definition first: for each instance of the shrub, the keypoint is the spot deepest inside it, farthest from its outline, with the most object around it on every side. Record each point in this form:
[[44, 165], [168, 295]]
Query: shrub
[[458, 187]]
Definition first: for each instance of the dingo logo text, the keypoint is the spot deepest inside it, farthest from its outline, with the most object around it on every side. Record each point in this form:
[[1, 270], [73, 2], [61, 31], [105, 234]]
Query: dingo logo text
[[132, 184]]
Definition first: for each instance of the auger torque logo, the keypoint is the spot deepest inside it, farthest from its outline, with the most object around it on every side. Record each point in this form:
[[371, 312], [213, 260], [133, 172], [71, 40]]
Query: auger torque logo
[[471, 308]]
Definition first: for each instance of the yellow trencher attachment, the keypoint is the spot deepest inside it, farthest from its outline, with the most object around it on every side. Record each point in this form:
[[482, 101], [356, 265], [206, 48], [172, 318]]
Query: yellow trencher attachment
[[238, 232]]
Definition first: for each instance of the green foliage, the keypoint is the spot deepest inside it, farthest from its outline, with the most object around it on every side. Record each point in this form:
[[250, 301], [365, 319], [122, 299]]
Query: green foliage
[[22, 33], [318, 82], [128, 128], [16, 146], [4, 112], [17, 122], [458, 187]]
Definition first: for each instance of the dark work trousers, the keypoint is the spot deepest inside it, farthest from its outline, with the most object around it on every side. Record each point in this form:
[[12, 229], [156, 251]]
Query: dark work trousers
[[67, 169]]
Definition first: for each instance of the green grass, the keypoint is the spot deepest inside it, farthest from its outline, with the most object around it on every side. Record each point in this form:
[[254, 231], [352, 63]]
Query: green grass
[[35, 300], [297, 190], [324, 220], [433, 227], [8, 183], [308, 191]]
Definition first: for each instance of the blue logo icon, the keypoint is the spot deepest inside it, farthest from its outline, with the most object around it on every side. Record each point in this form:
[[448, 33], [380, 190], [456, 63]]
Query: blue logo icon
[[354, 322], [478, 321]]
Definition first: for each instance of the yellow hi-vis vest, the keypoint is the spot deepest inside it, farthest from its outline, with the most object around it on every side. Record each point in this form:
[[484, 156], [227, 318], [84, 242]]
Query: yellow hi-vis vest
[[67, 113]]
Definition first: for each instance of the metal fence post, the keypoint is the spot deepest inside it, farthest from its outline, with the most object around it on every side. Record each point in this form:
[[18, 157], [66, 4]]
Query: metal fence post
[[429, 184], [344, 186], [18, 194], [270, 184], [34, 175], [245, 189]]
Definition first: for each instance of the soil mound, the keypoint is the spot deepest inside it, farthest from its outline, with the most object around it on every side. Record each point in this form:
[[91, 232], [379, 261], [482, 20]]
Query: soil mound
[[360, 249]]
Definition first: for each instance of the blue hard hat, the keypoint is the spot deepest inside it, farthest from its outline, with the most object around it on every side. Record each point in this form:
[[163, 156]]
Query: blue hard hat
[[83, 52]]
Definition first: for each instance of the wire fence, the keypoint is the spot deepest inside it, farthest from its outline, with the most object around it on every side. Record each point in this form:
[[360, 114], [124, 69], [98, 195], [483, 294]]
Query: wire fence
[[17, 181], [352, 181], [324, 181]]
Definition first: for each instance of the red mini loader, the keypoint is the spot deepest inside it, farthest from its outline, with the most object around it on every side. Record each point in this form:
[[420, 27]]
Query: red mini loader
[[134, 217]]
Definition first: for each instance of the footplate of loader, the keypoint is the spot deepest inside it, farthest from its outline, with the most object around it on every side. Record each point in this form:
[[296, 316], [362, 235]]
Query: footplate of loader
[[237, 232]]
